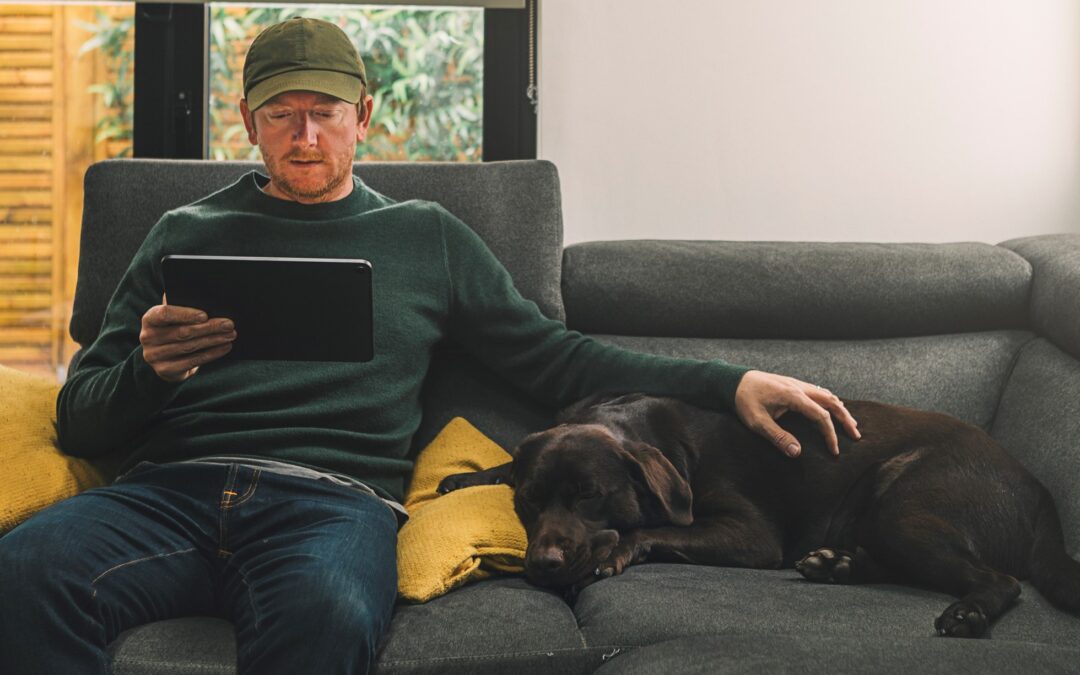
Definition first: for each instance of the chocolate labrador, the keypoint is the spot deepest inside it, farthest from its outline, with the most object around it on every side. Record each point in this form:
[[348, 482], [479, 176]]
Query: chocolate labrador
[[922, 499]]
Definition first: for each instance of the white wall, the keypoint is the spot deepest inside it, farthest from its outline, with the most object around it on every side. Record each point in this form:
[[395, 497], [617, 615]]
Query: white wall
[[828, 120]]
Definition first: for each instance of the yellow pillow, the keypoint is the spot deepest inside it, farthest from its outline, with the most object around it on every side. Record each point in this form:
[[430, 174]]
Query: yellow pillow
[[462, 536], [33, 471]]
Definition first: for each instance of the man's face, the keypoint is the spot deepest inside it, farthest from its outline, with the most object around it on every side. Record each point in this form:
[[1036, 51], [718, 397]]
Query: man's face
[[307, 141]]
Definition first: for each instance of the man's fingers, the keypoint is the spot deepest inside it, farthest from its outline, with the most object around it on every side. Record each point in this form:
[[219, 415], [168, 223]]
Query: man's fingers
[[179, 369], [820, 416], [172, 315], [834, 405]]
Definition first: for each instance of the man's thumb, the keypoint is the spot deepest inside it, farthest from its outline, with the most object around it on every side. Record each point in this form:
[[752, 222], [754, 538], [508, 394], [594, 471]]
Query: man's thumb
[[783, 441]]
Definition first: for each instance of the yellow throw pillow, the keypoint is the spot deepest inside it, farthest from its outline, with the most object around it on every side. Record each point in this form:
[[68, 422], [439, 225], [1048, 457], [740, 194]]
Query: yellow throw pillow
[[33, 471], [463, 536]]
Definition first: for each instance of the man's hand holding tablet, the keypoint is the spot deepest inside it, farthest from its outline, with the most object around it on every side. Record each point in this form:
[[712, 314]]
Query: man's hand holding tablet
[[177, 340]]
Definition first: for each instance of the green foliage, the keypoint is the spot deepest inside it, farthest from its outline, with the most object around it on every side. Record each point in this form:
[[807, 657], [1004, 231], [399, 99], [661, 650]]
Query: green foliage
[[110, 37], [424, 67]]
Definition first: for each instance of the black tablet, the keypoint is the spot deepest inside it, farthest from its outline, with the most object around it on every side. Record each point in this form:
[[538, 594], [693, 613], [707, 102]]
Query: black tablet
[[292, 309]]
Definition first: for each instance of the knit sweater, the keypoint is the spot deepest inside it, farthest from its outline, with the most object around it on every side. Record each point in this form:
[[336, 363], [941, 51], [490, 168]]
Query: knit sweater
[[433, 280]]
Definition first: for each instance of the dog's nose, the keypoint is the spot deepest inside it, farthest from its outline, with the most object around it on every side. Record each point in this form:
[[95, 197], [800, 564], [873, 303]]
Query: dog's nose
[[548, 559]]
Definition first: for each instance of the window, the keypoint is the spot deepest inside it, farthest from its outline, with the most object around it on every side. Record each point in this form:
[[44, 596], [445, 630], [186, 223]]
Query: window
[[425, 67]]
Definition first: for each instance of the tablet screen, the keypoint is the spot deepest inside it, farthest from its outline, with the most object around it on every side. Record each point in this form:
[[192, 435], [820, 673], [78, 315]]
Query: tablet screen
[[293, 309]]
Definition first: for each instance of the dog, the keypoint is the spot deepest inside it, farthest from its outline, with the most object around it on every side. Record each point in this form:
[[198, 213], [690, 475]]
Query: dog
[[922, 499]]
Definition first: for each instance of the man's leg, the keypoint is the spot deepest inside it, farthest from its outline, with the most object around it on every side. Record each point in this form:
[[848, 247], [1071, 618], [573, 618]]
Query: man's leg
[[311, 575], [82, 571]]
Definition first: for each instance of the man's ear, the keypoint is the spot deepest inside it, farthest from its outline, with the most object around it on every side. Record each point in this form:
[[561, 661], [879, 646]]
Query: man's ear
[[363, 118], [659, 477], [249, 121]]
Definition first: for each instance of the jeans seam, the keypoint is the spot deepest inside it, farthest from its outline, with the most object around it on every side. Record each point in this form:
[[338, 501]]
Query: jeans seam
[[224, 511], [112, 569], [249, 493], [251, 597]]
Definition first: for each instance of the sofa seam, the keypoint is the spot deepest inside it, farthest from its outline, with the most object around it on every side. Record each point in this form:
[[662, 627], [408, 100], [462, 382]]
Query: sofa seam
[[1009, 370], [494, 657]]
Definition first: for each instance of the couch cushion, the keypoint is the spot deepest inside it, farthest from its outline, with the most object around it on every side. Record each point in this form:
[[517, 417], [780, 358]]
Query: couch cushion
[[193, 646], [497, 626], [657, 602], [792, 290], [1055, 285], [962, 375], [502, 625], [514, 206], [1038, 422], [739, 652]]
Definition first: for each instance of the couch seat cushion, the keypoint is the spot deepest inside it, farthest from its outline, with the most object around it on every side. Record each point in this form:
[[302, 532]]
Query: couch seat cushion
[[743, 653], [659, 602]]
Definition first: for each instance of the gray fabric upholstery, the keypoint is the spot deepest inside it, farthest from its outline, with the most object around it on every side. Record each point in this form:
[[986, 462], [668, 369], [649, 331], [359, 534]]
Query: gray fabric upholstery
[[961, 375], [771, 654], [504, 625], [195, 646], [124, 198], [785, 290], [658, 602], [1055, 286], [1039, 423]]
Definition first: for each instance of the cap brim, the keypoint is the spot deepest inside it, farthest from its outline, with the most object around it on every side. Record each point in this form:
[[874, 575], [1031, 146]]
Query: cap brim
[[330, 82]]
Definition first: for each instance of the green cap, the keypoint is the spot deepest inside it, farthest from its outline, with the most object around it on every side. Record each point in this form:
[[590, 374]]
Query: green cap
[[302, 55]]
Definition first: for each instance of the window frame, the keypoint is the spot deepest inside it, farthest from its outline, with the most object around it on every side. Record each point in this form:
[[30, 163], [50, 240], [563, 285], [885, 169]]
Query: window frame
[[171, 91]]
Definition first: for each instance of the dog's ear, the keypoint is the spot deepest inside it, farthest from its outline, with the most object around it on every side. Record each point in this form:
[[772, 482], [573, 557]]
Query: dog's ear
[[658, 475]]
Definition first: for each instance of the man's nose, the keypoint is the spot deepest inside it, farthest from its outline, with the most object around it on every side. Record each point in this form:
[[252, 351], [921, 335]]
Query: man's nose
[[307, 132]]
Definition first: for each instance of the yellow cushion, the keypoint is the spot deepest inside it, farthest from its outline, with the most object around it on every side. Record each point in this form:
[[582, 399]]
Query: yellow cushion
[[462, 536], [33, 471]]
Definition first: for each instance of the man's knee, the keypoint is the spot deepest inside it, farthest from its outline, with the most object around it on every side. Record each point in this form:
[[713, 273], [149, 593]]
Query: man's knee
[[349, 607], [28, 562]]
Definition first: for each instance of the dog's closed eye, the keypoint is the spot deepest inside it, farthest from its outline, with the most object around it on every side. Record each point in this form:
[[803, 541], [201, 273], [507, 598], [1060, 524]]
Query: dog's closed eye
[[589, 491]]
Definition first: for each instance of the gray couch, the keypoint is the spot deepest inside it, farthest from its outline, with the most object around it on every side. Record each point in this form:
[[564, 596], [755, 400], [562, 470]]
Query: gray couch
[[990, 334]]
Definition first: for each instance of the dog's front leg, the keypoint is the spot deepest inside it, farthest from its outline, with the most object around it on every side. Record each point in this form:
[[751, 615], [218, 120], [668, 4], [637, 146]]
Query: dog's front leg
[[494, 476], [730, 540]]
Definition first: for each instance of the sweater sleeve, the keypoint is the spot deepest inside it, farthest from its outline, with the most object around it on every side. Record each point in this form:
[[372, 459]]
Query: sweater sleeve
[[508, 333], [113, 393]]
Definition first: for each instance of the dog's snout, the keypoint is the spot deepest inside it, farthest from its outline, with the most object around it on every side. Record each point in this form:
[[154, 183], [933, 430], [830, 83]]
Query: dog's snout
[[548, 559]]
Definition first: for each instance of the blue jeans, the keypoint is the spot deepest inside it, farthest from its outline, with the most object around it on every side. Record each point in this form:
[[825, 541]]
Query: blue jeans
[[306, 570]]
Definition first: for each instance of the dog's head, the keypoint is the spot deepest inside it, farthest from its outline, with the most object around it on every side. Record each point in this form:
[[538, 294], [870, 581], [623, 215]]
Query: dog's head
[[578, 485]]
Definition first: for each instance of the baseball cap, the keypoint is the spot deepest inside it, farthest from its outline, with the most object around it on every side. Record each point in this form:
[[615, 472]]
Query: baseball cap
[[302, 54]]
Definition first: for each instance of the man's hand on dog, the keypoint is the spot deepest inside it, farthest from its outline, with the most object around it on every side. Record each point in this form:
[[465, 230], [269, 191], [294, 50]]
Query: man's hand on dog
[[177, 340], [763, 397]]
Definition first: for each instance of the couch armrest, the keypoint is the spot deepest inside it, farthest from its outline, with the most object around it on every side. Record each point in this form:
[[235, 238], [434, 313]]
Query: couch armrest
[[1055, 286]]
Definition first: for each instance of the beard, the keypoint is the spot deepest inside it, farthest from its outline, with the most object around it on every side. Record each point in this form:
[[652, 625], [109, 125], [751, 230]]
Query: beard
[[308, 191]]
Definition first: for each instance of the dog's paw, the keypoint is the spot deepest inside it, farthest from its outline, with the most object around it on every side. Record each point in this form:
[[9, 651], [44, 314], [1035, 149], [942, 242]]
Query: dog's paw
[[961, 619], [826, 565], [627, 551], [458, 481]]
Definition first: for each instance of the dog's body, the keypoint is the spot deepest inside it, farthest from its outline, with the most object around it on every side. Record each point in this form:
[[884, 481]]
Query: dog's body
[[922, 498]]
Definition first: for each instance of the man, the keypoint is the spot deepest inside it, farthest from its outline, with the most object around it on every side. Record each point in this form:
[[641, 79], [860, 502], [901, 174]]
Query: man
[[266, 492]]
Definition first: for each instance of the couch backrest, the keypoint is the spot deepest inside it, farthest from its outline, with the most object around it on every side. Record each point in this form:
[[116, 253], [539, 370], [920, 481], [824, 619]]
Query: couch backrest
[[514, 206], [933, 326], [1039, 416]]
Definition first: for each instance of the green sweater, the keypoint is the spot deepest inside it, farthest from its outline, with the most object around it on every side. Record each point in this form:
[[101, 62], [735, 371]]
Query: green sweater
[[434, 279]]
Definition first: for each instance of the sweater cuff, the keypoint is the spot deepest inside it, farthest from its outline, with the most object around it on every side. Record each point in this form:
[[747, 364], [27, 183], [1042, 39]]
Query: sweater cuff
[[726, 378]]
